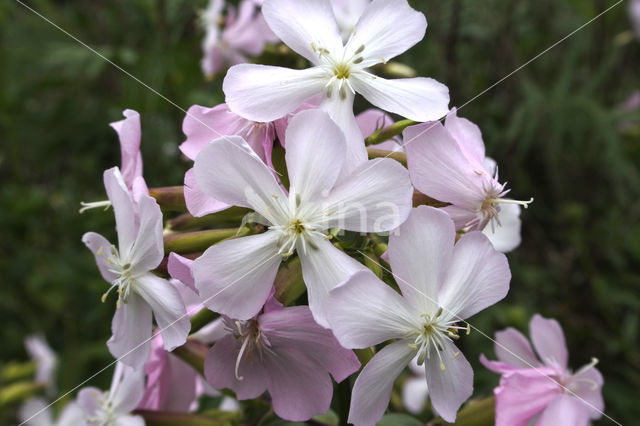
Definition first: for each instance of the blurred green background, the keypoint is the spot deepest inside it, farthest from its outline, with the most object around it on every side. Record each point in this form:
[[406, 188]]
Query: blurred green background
[[556, 129]]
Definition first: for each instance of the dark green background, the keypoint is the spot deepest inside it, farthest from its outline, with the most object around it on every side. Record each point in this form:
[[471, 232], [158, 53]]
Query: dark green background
[[555, 128]]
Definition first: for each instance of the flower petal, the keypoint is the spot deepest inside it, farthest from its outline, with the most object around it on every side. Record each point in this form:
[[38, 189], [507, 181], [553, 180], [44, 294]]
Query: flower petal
[[235, 277], [477, 277], [88, 400], [219, 369], [129, 134], [375, 197], [414, 394], [372, 390], [265, 93], [181, 269], [230, 171], [168, 309], [202, 125], [127, 393], [588, 389], [467, 135], [364, 311], [548, 339], [198, 203], [148, 248], [505, 236], [564, 410], [303, 24], [129, 421], [123, 209], [418, 99], [450, 387], [514, 349], [295, 326], [324, 267], [386, 29], [131, 328], [372, 120], [101, 248], [315, 154], [36, 412], [419, 254]]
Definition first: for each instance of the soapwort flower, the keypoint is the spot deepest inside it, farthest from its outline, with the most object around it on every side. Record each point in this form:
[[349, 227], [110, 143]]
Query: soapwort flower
[[127, 268], [542, 386], [234, 277], [442, 284], [386, 29]]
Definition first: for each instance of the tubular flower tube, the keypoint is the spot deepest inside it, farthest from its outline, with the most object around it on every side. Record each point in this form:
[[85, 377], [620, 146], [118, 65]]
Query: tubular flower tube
[[442, 284]]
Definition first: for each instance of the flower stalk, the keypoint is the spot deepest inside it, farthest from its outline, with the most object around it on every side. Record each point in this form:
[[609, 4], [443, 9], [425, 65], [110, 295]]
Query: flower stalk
[[191, 242], [388, 132]]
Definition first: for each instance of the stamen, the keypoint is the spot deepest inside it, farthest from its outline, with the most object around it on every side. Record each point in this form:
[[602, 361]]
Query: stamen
[[93, 205], [359, 50], [242, 349], [524, 204]]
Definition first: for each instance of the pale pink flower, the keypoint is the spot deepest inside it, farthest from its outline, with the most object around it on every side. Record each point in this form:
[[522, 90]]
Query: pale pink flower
[[114, 407], [284, 351], [442, 284], [448, 163], [542, 386], [45, 358], [415, 391], [245, 34], [37, 412], [234, 277], [128, 267], [385, 29], [634, 15]]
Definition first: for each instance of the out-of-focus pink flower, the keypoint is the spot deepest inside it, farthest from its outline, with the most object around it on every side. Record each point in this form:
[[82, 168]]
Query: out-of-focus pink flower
[[127, 268], [634, 14], [129, 134], [114, 406], [234, 277], [284, 351], [442, 284], [542, 385], [45, 359], [415, 390], [245, 33], [448, 163], [37, 412], [385, 29]]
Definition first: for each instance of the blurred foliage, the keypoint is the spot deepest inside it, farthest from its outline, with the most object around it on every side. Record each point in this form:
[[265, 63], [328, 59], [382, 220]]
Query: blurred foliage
[[554, 127]]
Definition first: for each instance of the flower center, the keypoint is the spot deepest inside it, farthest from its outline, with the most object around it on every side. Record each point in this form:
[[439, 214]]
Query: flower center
[[431, 337], [490, 207], [105, 415], [340, 69], [253, 341], [124, 280], [297, 228]]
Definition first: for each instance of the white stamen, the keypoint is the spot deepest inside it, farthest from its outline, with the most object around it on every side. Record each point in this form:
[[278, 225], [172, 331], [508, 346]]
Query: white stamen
[[94, 205]]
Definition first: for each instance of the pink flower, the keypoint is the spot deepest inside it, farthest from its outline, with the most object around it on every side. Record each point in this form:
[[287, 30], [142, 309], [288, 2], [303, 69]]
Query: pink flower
[[544, 386], [448, 163], [128, 269], [37, 412], [442, 284], [245, 33], [234, 277], [45, 359], [285, 352], [634, 14], [385, 29], [114, 406]]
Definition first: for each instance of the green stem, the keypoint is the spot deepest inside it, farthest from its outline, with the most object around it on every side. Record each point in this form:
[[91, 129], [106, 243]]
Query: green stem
[[202, 318], [17, 371], [400, 157], [230, 216], [170, 418], [198, 241], [169, 197], [388, 132]]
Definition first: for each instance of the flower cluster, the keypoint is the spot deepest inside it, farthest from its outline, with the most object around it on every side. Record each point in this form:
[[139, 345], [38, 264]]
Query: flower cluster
[[303, 285]]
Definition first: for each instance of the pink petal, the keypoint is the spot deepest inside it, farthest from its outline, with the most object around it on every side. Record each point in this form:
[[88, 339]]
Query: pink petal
[[128, 389], [123, 208], [235, 277], [419, 98], [564, 410], [148, 247], [372, 120], [324, 267], [181, 269], [448, 388], [202, 125], [168, 309], [419, 254], [198, 203], [281, 124], [549, 341], [296, 327], [375, 197], [219, 369], [588, 390], [315, 155], [265, 93], [514, 349], [182, 391], [246, 32], [467, 135], [372, 390], [363, 311], [386, 29], [477, 277], [303, 23], [129, 134], [131, 328], [101, 249]]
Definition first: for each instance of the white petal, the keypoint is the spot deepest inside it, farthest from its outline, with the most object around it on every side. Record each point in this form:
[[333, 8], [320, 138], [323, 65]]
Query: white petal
[[505, 236], [418, 99], [315, 154], [235, 277], [265, 93], [123, 209], [303, 23], [414, 394], [129, 420], [148, 248], [324, 267], [35, 412], [230, 171], [477, 277], [131, 327], [127, 393], [375, 197], [101, 249], [364, 311], [386, 29], [168, 309], [71, 415], [449, 388], [372, 390], [419, 254]]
